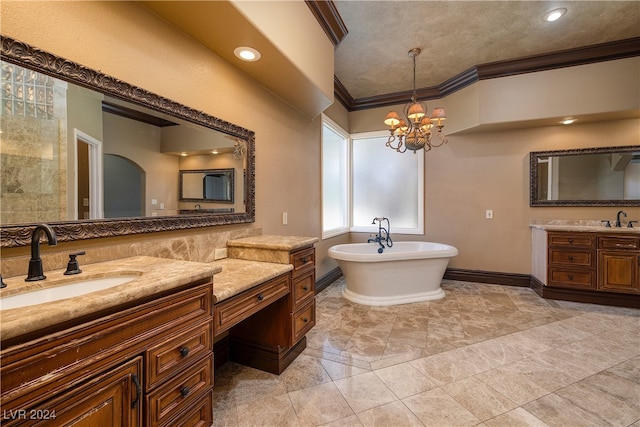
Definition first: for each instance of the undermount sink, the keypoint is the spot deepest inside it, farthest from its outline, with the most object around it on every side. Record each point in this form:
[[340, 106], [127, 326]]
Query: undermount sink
[[70, 290]]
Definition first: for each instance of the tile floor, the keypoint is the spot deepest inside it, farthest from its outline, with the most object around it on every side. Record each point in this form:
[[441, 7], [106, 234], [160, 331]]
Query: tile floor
[[486, 355]]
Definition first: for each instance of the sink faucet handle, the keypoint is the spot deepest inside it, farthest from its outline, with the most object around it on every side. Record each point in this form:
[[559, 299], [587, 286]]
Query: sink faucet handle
[[630, 224], [607, 223], [2, 284], [73, 267]]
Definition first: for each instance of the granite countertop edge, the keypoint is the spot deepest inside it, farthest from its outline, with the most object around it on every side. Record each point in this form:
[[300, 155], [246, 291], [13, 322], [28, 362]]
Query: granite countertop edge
[[284, 243], [239, 275], [156, 275], [585, 228]]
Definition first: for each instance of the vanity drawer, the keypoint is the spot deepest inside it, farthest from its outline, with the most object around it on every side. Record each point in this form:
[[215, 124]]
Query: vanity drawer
[[583, 279], [199, 414], [171, 398], [572, 240], [305, 258], [177, 353], [303, 320], [619, 242], [584, 258], [234, 310], [303, 287]]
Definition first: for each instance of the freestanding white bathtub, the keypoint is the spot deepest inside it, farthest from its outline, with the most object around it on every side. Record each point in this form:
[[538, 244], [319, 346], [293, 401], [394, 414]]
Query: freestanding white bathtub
[[404, 273]]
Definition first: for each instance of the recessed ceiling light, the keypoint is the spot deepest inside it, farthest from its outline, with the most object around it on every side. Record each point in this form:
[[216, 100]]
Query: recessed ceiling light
[[568, 121], [555, 14], [245, 53], [183, 154]]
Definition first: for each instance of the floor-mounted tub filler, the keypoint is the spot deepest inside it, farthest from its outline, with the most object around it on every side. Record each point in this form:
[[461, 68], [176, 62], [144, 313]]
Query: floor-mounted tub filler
[[404, 273]]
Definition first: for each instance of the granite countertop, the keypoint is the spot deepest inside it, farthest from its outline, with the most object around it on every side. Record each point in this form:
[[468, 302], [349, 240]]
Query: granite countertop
[[238, 275], [155, 275], [593, 226], [282, 243]]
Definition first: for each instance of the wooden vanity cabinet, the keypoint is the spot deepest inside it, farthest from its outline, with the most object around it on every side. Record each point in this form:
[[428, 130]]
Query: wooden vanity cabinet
[[269, 333], [148, 363], [302, 301], [572, 260], [594, 267], [618, 263]]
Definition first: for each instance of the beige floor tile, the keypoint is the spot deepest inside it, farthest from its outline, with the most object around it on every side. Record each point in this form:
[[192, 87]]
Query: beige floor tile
[[478, 398], [364, 391], [272, 411], [319, 405], [556, 411], [404, 380], [443, 368], [305, 371], [394, 414], [337, 370], [629, 369], [479, 352], [351, 421], [436, 408], [252, 384], [517, 417]]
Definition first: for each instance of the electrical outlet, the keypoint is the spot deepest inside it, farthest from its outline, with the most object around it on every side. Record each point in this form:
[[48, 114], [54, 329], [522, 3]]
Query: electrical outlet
[[154, 202], [284, 218], [488, 214], [220, 253], [161, 205]]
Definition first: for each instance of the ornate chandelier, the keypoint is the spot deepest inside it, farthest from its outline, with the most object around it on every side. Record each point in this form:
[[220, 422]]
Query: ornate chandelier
[[415, 131]]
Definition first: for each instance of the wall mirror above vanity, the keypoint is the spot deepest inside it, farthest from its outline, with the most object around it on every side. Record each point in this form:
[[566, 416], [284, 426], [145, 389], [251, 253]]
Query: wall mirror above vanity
[[608, 176], [69, 133]]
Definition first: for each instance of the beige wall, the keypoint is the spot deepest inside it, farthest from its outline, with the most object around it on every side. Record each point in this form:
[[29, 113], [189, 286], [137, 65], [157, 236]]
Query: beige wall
[[287, 143], [474, 172]]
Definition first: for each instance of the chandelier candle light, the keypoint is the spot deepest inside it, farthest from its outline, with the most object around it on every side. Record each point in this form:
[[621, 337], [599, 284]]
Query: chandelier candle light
[[414, 131]]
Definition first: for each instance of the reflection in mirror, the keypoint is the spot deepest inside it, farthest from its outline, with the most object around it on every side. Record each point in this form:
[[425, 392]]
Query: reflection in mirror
[[62, 123], [607, 176], [207, 185]]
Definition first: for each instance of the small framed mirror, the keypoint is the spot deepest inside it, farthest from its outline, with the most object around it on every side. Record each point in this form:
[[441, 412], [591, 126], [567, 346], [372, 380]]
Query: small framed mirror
[[607, 176], [207, 185]]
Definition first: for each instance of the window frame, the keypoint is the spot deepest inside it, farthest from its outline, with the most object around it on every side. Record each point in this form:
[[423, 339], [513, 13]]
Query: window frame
[[328, 122]]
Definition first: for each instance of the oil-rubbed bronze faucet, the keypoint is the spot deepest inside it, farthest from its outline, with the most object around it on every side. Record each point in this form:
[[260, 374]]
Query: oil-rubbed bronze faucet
[[35, 264], [618, 222]]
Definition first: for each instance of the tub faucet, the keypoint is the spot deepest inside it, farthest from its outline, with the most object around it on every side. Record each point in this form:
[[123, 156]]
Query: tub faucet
[[380, 237], [618, 223], [35, 264]]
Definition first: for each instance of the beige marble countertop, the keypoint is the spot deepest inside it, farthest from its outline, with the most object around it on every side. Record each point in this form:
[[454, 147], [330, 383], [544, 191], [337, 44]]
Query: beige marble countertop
[[282, 243], [581, 225], [155, 275], [238, 275]]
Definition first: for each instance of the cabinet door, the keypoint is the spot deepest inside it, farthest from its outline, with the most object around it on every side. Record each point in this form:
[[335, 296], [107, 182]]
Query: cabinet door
[[109, 400], [618, 271]]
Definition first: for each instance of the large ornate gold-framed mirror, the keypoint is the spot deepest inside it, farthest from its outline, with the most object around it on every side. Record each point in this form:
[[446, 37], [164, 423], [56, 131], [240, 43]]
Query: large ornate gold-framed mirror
[[126, 97]]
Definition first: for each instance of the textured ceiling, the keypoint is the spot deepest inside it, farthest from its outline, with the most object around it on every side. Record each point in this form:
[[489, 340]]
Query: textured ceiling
[[457, 35]]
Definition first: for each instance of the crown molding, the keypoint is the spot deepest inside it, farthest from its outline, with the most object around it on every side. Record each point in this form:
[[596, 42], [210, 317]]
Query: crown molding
[[564, 58], [329, 19]]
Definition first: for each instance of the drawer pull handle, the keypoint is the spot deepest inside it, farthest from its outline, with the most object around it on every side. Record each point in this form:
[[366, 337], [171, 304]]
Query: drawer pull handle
[[305, 320], [570, 258], [570, 240], [184, 351], [184, 391], [571, 277], [136, 382], [260, 297], [305, 260], [305, 288]]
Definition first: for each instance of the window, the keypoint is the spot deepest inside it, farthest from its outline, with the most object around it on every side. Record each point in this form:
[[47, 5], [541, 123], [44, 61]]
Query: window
[[386, 184], [363, 179], [335, 179]]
